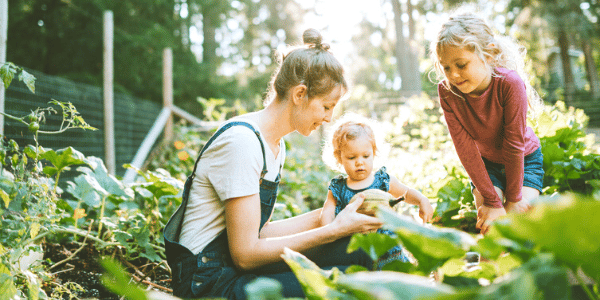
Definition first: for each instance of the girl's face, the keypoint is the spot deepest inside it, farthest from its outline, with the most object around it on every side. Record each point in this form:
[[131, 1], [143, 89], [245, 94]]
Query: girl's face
[[465, 70], [357, 158], [316, 111]]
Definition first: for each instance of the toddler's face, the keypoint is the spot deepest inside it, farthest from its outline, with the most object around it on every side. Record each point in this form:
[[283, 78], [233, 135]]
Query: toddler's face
[[357, 158]]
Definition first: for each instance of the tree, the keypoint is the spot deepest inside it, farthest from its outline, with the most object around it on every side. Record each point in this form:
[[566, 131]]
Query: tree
[[571, 25]]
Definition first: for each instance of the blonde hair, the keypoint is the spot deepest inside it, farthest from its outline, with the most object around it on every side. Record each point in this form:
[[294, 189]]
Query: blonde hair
[[350, 127], [467, 30]]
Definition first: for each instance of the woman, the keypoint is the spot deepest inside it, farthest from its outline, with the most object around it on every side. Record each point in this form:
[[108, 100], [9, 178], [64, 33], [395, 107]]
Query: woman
[[221, 237]]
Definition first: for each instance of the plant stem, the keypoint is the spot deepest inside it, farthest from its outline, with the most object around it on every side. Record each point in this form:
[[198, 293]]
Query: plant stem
[[77, 251], [56, 185], [583, 285], [14, 118], [101, 216]]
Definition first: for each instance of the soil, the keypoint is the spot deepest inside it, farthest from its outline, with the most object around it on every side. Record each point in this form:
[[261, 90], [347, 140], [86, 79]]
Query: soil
[[84, 269]]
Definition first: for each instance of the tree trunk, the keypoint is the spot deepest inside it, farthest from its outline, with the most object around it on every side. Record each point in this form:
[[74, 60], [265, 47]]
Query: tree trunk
[[403, 55], [415, 84], [590, 68], [568, 79], [209, 45]]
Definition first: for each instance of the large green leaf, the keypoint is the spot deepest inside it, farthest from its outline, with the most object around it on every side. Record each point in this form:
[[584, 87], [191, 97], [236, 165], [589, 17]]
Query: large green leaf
[[431, 246], [568, 228], [264, 289], [86, 189], [540, 278], [7, 285], [374, 244], [160, 183], [63, 158], [392, 285], [317, 283], [108, 182]]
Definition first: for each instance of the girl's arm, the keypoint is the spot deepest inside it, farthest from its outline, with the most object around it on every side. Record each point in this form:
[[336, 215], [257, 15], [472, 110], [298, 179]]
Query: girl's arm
[[248, 251], [513, 144], [412, 196], [328, 212]]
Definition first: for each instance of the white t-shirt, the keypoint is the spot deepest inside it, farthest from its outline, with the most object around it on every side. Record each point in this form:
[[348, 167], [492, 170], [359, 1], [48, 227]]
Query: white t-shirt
[[229, 168]]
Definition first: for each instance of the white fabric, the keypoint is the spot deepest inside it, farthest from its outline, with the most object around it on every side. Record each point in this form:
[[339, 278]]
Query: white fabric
[[229, 168]]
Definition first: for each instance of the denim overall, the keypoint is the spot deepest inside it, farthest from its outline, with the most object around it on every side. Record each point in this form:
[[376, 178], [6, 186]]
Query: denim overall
[[211, 272]]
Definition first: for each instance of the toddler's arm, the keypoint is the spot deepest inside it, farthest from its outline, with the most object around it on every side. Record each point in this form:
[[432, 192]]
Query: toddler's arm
[[328, 212], [412, 196]]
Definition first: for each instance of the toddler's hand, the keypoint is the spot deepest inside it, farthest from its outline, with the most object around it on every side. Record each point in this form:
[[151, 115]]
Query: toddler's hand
[[425, 211], [486, 215], [348, 221]]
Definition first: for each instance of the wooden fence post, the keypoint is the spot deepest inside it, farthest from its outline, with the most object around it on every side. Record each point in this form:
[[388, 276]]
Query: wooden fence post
[[109, 118], [3, 37], [168, 90]]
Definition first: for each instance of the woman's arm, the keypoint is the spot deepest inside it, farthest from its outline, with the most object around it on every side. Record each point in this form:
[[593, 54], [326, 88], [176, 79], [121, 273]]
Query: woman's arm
[[292, 225], [412, 196], [248, 251]]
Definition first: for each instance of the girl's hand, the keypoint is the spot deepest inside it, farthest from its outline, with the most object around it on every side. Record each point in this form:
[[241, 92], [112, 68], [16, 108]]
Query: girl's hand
[[486, 215], [425, 211], [349, 222], [517, 207]]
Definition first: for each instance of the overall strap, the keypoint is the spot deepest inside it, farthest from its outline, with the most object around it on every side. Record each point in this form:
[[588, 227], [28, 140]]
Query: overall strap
[[173, 228], [221, 130]]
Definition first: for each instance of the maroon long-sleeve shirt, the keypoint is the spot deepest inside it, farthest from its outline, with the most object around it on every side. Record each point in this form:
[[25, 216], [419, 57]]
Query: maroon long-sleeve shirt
[[494, 126]]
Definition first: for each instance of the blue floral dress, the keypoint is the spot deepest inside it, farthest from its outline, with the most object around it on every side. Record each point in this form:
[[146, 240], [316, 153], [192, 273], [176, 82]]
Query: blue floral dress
[[342, 193]]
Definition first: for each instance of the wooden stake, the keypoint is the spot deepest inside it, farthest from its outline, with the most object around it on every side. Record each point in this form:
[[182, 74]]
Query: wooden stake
[[168, 90], [109, 124], [3, 37]]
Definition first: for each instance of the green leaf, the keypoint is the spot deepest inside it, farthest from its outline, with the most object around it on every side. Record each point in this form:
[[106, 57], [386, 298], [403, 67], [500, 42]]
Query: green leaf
[[116, 280], [49, 170], [107, 182], [7, 286], [374, 244], [315, 282], [63, 158], [84, 191], [392, 285], [28, 79], [571, 214], [431, 246], [31, 153], [7, 72], [5, 198], [264, 289]]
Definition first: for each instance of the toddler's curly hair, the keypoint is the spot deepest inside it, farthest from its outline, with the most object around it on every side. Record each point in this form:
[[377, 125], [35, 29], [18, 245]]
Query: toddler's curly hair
[[350, 127]]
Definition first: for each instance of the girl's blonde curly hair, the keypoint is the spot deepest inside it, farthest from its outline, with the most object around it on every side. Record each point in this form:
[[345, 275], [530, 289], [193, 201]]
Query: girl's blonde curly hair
[[469, 31]]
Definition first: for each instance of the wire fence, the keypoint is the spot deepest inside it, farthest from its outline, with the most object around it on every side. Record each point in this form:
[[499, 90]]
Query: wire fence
[[133, 117]]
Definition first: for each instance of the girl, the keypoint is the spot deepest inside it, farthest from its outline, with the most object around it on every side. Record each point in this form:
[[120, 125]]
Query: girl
[[221, 236], [354, 146], [484, 96]]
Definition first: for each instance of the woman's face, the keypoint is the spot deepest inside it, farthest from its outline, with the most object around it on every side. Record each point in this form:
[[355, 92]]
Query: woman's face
[[357, 158], [314, 112]]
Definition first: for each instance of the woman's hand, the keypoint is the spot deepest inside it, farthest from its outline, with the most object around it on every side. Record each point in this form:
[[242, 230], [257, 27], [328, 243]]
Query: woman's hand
[[486, 215], [425, 210], [348, 221]]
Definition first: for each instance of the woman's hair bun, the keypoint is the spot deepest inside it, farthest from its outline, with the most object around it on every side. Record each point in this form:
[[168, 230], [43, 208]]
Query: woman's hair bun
[[313, 38]]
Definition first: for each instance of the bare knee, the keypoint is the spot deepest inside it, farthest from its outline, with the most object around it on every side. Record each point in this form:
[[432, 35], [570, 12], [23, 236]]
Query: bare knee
[[529, 194]]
